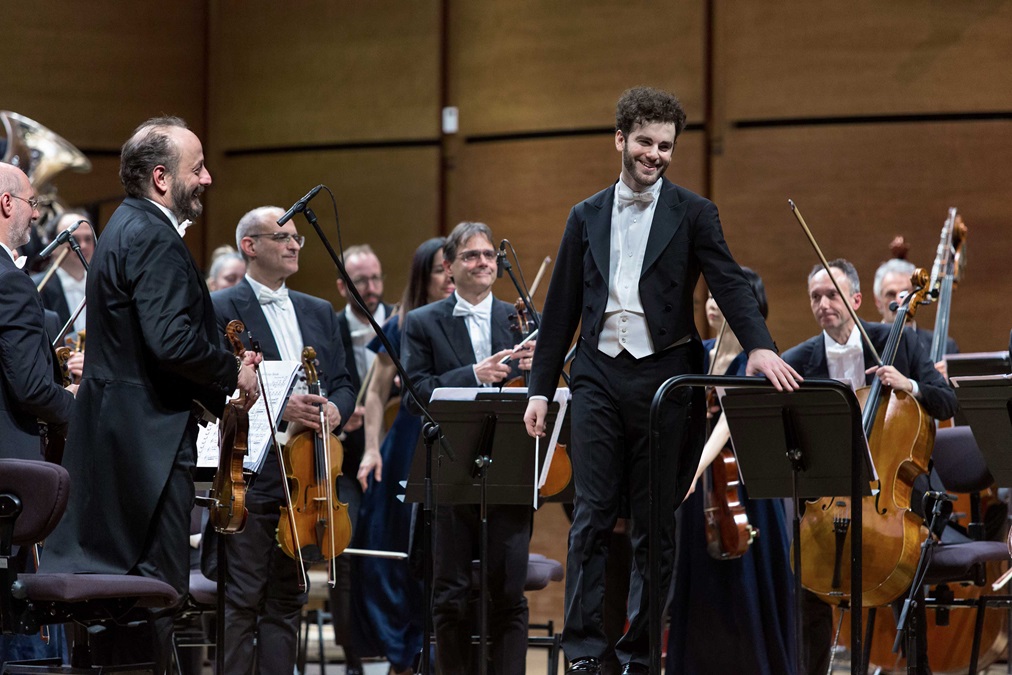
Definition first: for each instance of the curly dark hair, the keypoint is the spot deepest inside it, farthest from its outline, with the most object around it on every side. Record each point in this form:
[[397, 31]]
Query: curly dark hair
[[149, 146], [643, 105]]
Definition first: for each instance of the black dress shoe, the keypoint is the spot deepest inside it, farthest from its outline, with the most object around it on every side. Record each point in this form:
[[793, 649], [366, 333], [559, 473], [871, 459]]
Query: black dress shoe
[[635, 669], [583, 666]]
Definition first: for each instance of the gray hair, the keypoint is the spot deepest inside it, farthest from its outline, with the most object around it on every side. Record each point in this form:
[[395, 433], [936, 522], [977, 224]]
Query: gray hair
[[892, 266], [252, 220], [461, 234], [844, 266]]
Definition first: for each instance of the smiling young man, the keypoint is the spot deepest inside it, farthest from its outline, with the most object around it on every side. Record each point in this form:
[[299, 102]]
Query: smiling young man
[[459, 342], [627, 268]]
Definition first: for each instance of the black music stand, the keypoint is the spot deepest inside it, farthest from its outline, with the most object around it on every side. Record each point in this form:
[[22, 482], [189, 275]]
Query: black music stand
[[986, 402], [803, 444], [484, 468]]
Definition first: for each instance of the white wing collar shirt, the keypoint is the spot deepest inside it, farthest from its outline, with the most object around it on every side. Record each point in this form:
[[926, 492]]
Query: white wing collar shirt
[[846, 361], [479, 326], [625, 324], [280, 314]]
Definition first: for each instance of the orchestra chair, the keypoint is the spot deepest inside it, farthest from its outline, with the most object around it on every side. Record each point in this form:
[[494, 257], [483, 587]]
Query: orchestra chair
[[541, 571], [33, 498], [960, 465], [194, 623]]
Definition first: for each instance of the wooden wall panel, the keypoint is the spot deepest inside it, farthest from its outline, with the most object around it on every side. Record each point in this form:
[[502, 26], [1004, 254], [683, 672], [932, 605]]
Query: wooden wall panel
[[823, 58], [93, 71], [99, 189], [296, 74], [385, 198], [858, 186], [524, 189], [528, 65]]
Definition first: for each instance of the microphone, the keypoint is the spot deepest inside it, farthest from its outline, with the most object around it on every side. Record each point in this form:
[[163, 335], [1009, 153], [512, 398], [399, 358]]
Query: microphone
[[299, 206], [500, 260], [61, 238]]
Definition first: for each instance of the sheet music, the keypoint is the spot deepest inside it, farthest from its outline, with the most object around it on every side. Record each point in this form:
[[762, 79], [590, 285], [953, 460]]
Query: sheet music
[[562, 396], [279, 379]]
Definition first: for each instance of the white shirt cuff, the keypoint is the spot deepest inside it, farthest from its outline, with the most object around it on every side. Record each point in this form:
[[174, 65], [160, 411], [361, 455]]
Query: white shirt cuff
[[538, 398]]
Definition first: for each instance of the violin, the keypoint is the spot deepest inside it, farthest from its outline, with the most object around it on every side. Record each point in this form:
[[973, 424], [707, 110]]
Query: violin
[[228, 512], [317, 527], [725, 520], [560, 470]]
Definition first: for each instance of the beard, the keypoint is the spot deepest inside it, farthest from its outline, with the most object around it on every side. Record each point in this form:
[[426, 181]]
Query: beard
[[632, 167], [185, 204]]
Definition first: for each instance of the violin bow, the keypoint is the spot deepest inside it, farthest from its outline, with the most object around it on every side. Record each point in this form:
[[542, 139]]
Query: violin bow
[[303, 578], [825, 265]]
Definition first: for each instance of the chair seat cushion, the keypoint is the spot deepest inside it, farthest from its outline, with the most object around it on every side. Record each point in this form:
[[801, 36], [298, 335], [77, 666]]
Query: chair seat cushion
[[202, 590], [75, 588], [955, 562]]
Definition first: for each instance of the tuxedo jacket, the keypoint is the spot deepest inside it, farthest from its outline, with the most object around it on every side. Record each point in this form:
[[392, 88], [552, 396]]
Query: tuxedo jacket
[[937, 397], [685, 240], [354, 442], [152, 352], [436, 346], [53, 297], [318, 326], [925, 337], [29, 392]]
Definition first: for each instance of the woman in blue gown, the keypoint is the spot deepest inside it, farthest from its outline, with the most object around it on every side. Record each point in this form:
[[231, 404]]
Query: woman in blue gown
[[732, 616], [388, 602]]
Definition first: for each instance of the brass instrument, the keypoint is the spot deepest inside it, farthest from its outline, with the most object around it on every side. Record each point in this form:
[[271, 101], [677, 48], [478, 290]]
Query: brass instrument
[[41, 154]]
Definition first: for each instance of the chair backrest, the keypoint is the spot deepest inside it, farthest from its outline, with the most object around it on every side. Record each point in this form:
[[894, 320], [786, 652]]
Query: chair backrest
[[42, 488], [958, 461]]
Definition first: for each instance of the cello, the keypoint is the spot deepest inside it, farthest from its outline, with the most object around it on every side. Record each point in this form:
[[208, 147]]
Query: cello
[[316, 527], [227, 512]]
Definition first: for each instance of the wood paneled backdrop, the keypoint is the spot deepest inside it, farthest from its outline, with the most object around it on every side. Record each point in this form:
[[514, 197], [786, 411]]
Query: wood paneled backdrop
[[874, 117]]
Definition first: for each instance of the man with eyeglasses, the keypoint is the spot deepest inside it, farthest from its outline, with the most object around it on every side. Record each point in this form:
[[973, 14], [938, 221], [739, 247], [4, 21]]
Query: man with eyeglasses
[[65, 289], [29, 390], [460, 342], [263, 602], [366, 272], [30, 393], [155, 365]]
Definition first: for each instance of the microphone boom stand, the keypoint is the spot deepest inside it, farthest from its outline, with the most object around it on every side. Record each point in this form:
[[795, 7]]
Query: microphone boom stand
[[430, 433]]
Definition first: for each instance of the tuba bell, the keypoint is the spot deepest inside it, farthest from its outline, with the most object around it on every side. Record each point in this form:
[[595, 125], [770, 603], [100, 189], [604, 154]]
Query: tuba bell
[[41, 154]]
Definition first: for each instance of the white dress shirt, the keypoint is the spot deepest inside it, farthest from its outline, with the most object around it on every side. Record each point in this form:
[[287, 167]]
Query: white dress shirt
[[625, 324], [361, 334], [73, 291], [280, 314], [479, 326], [845, 361]]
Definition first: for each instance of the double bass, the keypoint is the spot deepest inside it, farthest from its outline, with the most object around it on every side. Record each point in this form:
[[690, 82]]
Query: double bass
[[316, 526]]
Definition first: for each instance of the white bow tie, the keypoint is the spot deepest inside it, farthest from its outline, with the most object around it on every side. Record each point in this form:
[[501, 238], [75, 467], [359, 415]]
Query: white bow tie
[[844, 349], [480, 313], [627, 196], [20, 262], [267, 297]]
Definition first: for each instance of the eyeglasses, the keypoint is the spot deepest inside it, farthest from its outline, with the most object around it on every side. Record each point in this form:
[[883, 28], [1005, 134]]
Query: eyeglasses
[[472, 256], [281, 237], [364, 282], [32, 201]]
